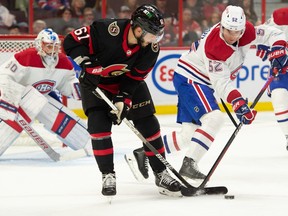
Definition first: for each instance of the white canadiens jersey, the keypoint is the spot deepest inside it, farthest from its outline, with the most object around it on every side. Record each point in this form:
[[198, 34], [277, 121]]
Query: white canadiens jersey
[[27, 68], [213, 62]]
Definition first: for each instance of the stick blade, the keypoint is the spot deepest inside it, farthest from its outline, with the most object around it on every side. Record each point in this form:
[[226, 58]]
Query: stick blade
[[203, 191]]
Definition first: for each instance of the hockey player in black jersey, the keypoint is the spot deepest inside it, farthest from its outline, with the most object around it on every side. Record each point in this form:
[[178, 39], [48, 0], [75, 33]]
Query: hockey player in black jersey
[[116, 55]]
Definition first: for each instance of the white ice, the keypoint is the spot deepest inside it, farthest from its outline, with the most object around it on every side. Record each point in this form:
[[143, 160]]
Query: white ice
[[255, 170]]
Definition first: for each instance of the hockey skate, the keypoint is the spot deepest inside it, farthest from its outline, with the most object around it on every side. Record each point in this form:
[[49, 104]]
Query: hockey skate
[[108, 184], [167, 185], [190, 170], [139, 164]]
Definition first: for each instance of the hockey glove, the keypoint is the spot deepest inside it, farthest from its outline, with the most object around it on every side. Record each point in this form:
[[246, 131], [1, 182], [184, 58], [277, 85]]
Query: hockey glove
[[89, 78], [123, 103], [262, 51], [278, 58], [243, 112]]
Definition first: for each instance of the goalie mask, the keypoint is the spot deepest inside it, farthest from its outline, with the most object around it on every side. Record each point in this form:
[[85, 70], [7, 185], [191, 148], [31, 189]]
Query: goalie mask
[[48, 45]]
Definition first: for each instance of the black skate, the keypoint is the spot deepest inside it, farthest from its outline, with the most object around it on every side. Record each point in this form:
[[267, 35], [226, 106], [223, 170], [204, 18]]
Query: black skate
[[108, 184], [167, 185], [138, 163], [190, 170], [142, 161]]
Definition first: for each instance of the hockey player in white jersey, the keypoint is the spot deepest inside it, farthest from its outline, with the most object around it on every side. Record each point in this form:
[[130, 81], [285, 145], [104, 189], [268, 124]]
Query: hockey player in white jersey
[[208, 68], [278, 89], [46, 69]]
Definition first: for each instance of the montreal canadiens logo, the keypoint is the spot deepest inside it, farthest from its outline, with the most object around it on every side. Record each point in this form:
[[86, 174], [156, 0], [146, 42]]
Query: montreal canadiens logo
[[162, 73], [44, 86]]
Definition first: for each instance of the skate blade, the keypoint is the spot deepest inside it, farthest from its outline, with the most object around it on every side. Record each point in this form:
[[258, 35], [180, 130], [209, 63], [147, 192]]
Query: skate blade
[[166, 192], [132, 163], [109, 199]]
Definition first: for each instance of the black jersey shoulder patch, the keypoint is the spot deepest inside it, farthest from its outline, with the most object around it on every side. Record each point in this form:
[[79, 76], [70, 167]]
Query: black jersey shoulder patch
[[155, 47], [113, 29]]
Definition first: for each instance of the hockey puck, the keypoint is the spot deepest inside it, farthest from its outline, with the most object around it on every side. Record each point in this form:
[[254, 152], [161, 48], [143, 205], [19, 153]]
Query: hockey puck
[[229, 196]]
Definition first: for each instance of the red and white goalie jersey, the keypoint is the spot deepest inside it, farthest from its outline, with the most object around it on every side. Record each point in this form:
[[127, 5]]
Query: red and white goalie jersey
[[212, 62], [28, 68]]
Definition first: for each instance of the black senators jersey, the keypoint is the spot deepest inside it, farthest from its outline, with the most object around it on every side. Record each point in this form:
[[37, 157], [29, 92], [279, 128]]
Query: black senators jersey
[[106, 40]]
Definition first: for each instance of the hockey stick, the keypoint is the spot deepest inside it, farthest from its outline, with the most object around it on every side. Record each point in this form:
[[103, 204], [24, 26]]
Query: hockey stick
[[239, 126], [38, 139], [55, 156], [189, 190], [229, 113]]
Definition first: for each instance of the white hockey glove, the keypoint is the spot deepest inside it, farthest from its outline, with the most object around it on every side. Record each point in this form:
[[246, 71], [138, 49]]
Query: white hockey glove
[[123, 103]]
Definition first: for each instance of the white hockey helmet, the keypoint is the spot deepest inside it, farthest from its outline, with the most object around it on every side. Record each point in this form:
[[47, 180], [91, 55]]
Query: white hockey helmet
[[233, 18], [47, 43]]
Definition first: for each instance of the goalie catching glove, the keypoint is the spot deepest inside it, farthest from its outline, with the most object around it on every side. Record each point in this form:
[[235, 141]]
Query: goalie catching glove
[[123, 104], [90, 74], [243, 112]]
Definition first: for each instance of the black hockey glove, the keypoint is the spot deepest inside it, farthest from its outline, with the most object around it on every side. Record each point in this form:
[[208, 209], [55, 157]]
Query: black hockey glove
[[90, 75], [279, 59], [123, 103]]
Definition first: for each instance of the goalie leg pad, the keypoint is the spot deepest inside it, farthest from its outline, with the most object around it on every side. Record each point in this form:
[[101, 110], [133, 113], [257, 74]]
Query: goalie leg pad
[[70, 129], [9, 132], [32, 102]]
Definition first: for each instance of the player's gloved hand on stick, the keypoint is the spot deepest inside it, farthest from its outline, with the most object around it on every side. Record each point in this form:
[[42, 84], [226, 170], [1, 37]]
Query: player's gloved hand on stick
[[90, 74], [263, 51], [243, 112], [278, 58], [123, 103]]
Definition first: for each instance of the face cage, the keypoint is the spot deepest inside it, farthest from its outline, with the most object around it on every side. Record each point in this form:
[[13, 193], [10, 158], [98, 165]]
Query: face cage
[[55, 47]]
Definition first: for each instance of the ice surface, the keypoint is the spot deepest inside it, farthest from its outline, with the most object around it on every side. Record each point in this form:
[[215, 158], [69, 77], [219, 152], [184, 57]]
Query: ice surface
[[255, 170]]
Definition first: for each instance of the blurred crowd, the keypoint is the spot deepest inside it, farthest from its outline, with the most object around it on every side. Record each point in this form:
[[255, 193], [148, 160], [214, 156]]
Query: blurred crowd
[[65, 15]]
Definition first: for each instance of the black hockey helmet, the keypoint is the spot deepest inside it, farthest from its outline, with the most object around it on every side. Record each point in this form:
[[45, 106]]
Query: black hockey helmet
[[149, 18]]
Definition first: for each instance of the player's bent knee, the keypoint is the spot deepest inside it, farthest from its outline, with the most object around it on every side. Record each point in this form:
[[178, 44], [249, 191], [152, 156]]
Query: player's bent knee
[[213, 119], [148, 126]]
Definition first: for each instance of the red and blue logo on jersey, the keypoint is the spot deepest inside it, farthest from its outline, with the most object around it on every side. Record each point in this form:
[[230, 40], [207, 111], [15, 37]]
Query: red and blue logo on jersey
[[44, 86]]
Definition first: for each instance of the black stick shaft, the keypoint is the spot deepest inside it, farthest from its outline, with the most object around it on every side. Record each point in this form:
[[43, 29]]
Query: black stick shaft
[[140, 136], [269, 80], [229, 113]]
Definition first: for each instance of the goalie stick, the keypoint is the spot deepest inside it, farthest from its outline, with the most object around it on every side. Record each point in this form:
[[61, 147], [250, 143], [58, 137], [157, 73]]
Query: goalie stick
[[239, 126], [55, 156], [189, 190]]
